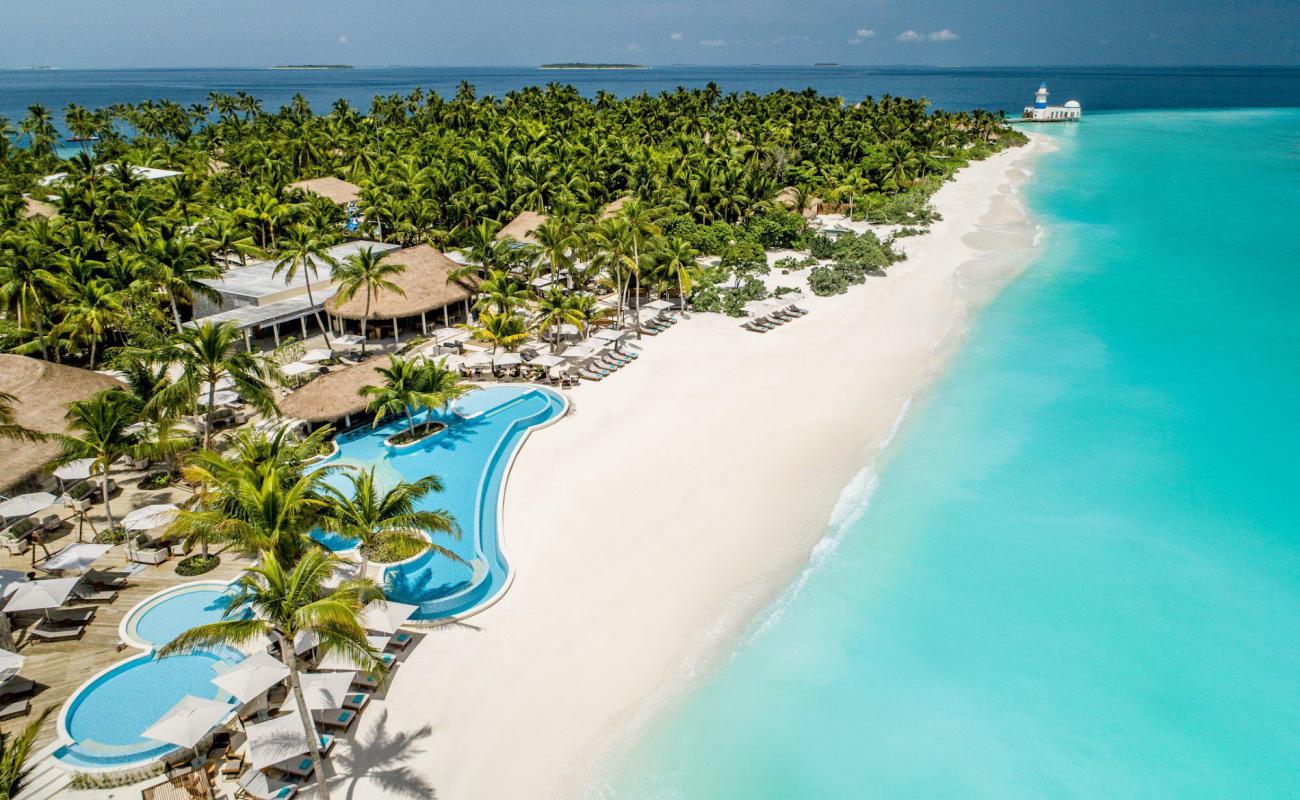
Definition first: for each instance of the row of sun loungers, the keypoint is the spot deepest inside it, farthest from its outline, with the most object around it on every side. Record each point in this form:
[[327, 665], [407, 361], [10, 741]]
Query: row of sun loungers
[[657, 325], [602, 366], [774, 320]]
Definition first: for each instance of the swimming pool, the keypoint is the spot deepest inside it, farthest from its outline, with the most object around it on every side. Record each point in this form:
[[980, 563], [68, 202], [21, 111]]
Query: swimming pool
[[471, 457], [101, 724]]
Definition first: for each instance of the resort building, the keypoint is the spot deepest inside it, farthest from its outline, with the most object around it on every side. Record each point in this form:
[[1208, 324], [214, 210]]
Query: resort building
[[1040, 111], [789, 198], [337, 191], [42, 391], [256, 298], [520, 230], [429, 293]]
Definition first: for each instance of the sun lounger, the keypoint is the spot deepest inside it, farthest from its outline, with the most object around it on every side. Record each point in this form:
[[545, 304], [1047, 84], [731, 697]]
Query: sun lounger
[[256, 784], [356, 701], [400, 640], [750, 326], [335, 718], [299, 766], [105, 580], [16, 687], [591, 376], [367, 680], [89, 594], [75, 616], [15, 709], [49, 632]]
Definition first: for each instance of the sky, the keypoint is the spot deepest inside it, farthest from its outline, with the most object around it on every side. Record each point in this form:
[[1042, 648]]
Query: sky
[[217, 33]]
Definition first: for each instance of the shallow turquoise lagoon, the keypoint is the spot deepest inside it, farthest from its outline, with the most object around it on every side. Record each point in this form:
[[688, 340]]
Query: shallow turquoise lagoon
[[470, 456], [1079, 575]]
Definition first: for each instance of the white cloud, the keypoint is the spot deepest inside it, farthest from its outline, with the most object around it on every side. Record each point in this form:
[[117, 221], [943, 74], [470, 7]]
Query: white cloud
[[634, 48], [343, 40], [676, 37], [944, 35], [864, 33], [713, 43], [909, 36]]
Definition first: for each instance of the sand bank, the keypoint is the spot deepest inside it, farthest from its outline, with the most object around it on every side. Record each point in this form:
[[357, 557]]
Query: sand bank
[[674, 503]]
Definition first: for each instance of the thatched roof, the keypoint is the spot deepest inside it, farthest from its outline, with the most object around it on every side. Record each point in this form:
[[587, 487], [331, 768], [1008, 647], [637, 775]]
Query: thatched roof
[[334, 395], [425, 282], [789, 197], [43, 391], [521, 227], [336, 190], [614, 207], [38, 208]]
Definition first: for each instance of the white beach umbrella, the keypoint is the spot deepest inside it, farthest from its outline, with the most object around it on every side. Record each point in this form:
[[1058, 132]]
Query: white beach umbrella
[[40, 595], [757, 308], [10, 664], [224, 383], [384, 617], [275, 740], [658, 305], [577, 351], [449, 361], [565, 329], [77, 470], [480, 358], [26, 504], [594, 343], [325, 690], [441, 335], [507, 360], [221, 398], [150, 517], [187, 722], [252, 676], [304, 641], [298, 368], [546, 360], [609, 335], [75, 557], [316, 356]]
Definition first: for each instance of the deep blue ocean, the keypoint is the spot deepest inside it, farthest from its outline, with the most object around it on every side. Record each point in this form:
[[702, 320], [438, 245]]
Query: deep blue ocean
[[954, 89]]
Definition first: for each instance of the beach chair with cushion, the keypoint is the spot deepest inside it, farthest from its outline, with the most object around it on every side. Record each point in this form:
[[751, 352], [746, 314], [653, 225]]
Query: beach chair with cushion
[[335, 717], [298, 766], [47, 631], [102, 579], [90, 594], [400, 640], [589, 375], [16, 687], [144, 551], [17, 537], [366, 680], [750, 326], [16, 708], [71, 616], [356, 701], [256, 784]]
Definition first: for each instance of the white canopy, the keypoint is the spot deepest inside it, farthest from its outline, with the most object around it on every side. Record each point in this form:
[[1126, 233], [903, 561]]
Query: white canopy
[[150, 517], [507, 360], [304, 641], [275, 740], [594, 343], [441, 335], [26, 504], [224, 383], [316, 356], [75, 470], [577, 351], [348, 340], [546, 360], [10, 663], [480, 358], [40, 595], [658, 305], [757, 308], [449, 361], [75, 557], [337, 660], [298, 368], [608, 335], [325, 690], [386, 617], [221, 398], [188, 721], [565, 329], [252, 676]]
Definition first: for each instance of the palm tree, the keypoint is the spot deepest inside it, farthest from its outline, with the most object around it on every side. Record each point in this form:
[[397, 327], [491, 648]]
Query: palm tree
[[9, 427], [500, 330], [14, 752], [390, 519], [289, 600], [97, 429], [640, 224], [306, 249], [677, 260], [406, 387], [556, 308], [209, 352], [366, 270]]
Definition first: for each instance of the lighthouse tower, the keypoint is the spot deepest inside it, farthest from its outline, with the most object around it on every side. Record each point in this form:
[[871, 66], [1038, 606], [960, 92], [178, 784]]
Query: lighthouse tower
[[1040, 111]]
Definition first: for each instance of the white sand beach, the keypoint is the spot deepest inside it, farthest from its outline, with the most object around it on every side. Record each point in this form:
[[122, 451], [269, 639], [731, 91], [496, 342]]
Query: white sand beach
[[677, 500]]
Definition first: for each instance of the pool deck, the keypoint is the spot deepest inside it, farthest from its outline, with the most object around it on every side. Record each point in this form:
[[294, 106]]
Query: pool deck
[[58, 668]]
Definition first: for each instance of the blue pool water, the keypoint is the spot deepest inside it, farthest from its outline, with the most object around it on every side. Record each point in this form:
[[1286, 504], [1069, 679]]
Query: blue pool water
[[1079, 576], [469, 456], [105, 719]]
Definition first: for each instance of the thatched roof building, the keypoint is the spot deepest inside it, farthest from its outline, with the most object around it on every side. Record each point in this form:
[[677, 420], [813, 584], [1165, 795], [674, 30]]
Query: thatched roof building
[[789, 197], [521, 228], [38, 208], [42, 390], [337, 191], [426, 284], [335, 395]]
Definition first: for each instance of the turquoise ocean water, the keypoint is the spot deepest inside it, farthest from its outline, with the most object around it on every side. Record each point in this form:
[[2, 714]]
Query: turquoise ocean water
[[1079, 575]]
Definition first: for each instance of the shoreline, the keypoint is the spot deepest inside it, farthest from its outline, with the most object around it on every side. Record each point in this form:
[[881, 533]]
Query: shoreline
[[642, 560]]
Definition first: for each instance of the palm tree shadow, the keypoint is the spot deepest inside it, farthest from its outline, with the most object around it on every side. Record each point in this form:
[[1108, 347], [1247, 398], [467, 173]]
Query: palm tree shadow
[[383, 757]]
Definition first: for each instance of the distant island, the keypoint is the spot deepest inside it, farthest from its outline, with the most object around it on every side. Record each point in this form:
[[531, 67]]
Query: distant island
[[583, 65], [826, 64], [313, 66]]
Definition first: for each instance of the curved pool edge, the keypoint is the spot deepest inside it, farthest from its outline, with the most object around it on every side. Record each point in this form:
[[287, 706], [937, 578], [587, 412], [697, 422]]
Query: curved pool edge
[[509, 578], [63, 737]]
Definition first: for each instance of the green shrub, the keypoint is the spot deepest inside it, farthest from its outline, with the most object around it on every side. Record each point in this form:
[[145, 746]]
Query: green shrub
[[110, 536], [827, 281], [776, 228], [157, 480], [197, 565], [821, 246]]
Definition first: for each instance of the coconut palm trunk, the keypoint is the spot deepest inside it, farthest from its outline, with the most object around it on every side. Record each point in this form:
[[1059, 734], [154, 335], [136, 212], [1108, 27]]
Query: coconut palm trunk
[[316, 313], [108, 508], [308, 725]]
